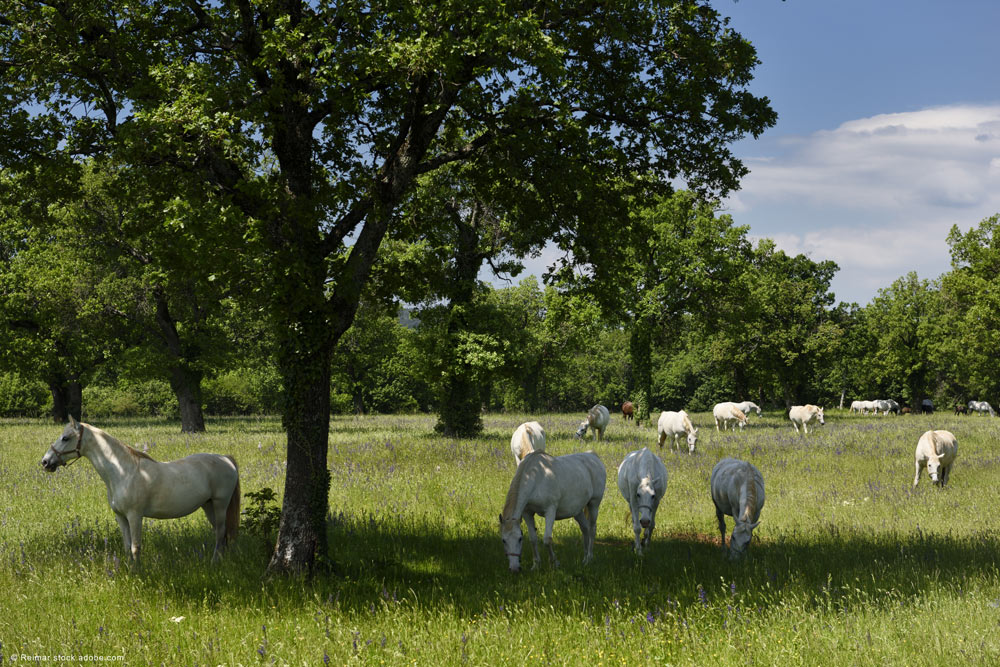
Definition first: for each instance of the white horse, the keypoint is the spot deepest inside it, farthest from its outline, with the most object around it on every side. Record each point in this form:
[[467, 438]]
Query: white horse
[[139, 487], [642, 480], [676, 424], [868, 406], [805, 414], [737, 490], [728, 414], [528, 437], [746, 406], [557, 487], [856, 406], [597, 420], [982, 407], [936, 450]]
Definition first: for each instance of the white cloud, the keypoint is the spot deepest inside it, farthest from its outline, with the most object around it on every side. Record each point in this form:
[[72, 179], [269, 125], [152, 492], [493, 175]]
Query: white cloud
[[877, 195]]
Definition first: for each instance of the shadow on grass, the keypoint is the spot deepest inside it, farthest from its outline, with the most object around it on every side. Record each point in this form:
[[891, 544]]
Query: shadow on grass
[[380, 562]]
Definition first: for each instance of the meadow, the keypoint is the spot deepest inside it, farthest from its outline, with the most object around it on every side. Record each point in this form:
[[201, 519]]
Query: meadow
[[850, 564]]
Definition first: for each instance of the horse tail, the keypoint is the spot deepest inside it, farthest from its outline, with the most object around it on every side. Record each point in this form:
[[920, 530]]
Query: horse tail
[[233, 511], [751, 486]]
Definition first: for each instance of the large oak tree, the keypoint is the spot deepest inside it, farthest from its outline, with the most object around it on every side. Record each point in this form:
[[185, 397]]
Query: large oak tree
[[313, 120]]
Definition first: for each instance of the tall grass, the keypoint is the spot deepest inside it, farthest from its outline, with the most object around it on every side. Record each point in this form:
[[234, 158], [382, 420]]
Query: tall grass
[[850, 564]]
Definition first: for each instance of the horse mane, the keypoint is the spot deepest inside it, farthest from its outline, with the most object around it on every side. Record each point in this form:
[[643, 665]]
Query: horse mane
[[510, 502], [115, 442], [751, 486], [688, 426], [137, 454], [738, 413]]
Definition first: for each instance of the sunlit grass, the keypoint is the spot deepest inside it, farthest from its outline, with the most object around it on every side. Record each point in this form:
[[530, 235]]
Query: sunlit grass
[[850, 564]]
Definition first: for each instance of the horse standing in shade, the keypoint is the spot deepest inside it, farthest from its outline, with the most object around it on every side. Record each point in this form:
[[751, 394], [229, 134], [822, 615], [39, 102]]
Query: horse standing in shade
[[528, 437], [598, 418], [728, 414], [737, 490], [140, 487], [676, 424], [557, 487], [801, 415], [628, 410], [936, 450], [642, 480]]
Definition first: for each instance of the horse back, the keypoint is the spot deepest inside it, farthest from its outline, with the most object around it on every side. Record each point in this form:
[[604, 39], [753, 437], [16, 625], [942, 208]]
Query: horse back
[[567, 483]]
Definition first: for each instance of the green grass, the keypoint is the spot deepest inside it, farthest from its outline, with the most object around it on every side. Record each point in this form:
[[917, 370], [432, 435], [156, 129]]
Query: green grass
[[850, 565]]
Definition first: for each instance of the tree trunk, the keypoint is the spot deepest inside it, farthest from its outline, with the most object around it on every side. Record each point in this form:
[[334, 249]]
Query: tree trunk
[[302, 541], [184, 380], [67, 399], [460, 408], [641, 355], [60, 401], [186, 384]]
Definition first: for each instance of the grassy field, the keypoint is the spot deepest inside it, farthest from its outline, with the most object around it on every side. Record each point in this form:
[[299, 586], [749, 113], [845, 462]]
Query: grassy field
[[850, 565]]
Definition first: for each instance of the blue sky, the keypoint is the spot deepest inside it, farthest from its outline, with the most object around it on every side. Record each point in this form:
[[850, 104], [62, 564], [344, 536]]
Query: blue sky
[[888, 131]]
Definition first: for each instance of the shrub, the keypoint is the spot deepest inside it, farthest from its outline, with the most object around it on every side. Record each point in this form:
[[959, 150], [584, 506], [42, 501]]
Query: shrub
[[20, 397]]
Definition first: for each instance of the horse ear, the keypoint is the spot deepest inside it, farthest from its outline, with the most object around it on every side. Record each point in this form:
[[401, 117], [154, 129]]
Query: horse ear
[[74, 423], [501, 518]]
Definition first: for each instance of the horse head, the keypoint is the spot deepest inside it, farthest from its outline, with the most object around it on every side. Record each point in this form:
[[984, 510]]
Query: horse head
[[66, 448], [582, 431], [692, 439], [742, 533], [645, 498], [510, 533], [819, 416], [933, 470]]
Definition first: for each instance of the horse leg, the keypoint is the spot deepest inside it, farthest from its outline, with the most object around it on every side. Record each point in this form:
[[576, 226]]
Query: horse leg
[[722, 526], [529, 520], [126, 533], [637, 529], [916, 477], [591, 513], [215, 512], [550, 522], [584, 523], [662, 438], [135, 526]]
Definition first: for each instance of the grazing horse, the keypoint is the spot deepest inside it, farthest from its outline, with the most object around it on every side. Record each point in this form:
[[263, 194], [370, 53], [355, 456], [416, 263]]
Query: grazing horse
[[628, 410], [676, 424], [597, 420], [982, 407], [906, 410], [139, 487], [737, 490], [557, 487], [961, 409], [746, 406], [528, 437], [728, 414], [927, 406], [856, 406], [642, 480], [805, 414], [936, 450]]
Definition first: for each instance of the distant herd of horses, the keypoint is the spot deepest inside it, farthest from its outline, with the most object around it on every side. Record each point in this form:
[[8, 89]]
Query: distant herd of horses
[[554, 487], [889, 406]]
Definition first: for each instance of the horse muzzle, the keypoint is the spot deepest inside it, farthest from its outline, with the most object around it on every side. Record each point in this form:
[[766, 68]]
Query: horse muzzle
[[50, 463]]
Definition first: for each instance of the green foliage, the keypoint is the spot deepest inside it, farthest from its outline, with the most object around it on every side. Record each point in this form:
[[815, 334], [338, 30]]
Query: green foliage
[[243, 391], [23, 396], [139, 399], [261, 514]]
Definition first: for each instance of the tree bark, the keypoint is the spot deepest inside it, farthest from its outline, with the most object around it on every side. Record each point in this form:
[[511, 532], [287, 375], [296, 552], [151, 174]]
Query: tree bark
[[67, 399]]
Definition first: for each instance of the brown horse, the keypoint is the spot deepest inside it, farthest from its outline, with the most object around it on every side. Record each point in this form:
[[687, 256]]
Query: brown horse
[[628, 410], [961, 409]]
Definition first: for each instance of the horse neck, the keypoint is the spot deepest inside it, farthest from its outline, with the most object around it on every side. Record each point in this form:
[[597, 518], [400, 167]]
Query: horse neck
[[109, 457], [511, 507]]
